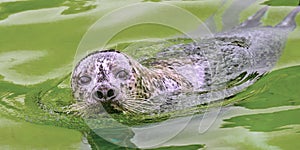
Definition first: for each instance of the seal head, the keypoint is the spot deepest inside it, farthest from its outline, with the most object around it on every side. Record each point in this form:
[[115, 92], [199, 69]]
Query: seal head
[[103, 76], [114, 79]]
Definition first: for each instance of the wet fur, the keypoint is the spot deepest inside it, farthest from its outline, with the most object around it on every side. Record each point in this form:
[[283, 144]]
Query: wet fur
[[208, 65]]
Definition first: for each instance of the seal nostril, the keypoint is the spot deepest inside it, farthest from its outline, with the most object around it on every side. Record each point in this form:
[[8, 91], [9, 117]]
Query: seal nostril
[[110, 93], [99, 94]]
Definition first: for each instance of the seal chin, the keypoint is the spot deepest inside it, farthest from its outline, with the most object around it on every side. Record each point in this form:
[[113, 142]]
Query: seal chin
[[111, 105]]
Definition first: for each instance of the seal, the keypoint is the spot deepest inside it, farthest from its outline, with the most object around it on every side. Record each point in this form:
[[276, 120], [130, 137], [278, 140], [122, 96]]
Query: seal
[[226, 63], [115, 79]]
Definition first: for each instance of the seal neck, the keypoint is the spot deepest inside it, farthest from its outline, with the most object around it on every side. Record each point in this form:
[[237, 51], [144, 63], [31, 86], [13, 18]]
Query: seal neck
[[158, 80], [162, 80]]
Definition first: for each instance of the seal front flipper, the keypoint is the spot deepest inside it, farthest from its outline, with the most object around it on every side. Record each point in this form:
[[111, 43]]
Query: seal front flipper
[[254, 21], [289, 20], [231, 15]]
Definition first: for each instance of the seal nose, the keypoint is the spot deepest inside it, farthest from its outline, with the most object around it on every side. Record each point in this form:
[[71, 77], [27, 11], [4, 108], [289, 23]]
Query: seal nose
[[107, 94]]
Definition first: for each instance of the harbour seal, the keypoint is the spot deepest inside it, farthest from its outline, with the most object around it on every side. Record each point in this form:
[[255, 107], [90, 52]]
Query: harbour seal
[[228, 62], [115, 79]]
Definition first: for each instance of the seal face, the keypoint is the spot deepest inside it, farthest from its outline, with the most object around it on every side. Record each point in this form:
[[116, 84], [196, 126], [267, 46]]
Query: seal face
[[103, 77], [114, 79]]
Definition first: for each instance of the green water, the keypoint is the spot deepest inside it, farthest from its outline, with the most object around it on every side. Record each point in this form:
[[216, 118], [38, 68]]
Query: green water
[[38, 43]]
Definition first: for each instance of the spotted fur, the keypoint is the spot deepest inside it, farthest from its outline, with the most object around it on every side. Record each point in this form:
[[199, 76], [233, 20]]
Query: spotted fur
[[226, 63]]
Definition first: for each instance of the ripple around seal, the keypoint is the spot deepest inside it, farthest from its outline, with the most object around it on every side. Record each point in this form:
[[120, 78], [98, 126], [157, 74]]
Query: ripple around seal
[[257, 92], [253, 98], [53, 97], [58, 97]]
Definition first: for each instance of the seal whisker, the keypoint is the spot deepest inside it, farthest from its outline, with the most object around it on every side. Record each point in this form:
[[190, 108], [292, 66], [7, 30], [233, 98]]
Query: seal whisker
[[137, 107], [141, 108], [130, 109], [140, 103], [133, 105]]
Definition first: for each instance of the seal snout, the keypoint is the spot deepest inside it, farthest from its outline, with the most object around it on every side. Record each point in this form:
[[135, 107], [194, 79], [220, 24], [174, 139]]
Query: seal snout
[[105, 93]]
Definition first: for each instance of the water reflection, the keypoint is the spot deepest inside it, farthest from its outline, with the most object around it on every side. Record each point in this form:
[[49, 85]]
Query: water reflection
[[73, 6]]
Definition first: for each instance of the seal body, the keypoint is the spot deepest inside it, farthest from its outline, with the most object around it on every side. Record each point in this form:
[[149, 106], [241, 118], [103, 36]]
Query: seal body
[[215, 61], [212, 68]]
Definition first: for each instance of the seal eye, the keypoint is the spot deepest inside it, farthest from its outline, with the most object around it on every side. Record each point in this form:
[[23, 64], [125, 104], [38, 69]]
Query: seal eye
[[84, 80], [122, 75]]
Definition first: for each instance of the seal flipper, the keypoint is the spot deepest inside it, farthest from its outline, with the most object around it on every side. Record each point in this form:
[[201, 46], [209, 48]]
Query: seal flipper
[[231, 15], [289, 20], [210, 21], [254, 21]]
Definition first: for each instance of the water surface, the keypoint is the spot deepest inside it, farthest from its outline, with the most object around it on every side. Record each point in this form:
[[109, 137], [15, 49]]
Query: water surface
[[38, 45]]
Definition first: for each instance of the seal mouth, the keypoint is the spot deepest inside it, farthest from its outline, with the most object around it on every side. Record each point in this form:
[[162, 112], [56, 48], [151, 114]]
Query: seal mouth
[[110, 105]]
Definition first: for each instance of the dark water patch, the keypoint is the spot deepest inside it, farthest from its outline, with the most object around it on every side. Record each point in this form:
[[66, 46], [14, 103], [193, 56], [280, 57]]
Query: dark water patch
[[29, 110], [8, 93], [279, 88], [98, 142], [12, 88], [74, 6], [282, 3], [266, 122]]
